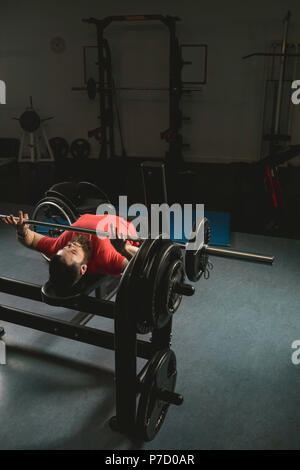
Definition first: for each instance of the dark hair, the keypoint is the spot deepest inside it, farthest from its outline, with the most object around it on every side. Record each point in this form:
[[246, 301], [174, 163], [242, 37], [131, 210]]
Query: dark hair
[[63, 276], [86, 245]]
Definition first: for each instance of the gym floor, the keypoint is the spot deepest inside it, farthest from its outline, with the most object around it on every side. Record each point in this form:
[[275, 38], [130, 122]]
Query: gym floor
[[240, 387]]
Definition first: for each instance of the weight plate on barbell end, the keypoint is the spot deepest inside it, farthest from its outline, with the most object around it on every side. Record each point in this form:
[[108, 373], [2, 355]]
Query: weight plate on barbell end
[[168, 300], [129, 296], [80, 149], [155, 311], [140, 294], [143, 260], [91, 87], [123, 297], [60, 147], [144, 295], [152, 410], [196, 259]]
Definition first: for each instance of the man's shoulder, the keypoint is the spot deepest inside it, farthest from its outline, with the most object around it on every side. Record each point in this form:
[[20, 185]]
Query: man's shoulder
[[85, 218], [94, 217]]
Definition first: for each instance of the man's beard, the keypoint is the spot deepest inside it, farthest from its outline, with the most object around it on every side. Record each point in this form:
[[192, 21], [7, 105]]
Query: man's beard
[[85, 244]]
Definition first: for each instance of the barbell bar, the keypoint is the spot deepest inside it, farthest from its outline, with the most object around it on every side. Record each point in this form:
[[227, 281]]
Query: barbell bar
[[210, 250], [236, 254], [69, 228], [242, 255], [81, 88], [92, 88]]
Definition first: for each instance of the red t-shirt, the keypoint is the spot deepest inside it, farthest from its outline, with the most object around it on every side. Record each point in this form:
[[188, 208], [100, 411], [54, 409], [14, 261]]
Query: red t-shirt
[[105, 258]]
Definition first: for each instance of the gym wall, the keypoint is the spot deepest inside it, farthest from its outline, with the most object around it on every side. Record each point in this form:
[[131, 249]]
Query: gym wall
[[225, 123]]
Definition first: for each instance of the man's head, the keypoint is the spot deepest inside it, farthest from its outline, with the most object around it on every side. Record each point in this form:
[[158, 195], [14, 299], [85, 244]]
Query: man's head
[[68, 266]]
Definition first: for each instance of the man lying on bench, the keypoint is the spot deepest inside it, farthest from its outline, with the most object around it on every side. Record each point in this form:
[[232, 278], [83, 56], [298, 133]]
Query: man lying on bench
[[73, 254]]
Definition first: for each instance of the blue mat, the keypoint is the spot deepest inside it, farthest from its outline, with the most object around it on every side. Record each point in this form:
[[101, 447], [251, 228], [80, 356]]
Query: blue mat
[[219, 228]]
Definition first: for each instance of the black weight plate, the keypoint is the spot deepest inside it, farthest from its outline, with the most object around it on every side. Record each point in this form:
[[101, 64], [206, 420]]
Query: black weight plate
[[154, 314], [80, 149], [30, 121], [138, 285], [122, 298], [91, 88], [152, 411], [168, 301], [142, 283], [197, 259], [60, 147], [146, 254]]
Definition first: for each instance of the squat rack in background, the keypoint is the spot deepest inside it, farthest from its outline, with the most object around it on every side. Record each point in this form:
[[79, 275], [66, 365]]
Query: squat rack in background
[[106, 87]]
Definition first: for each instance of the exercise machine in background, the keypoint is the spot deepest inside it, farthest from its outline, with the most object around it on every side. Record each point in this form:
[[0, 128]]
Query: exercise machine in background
[[33, 129], [104, 86], [281, 69]]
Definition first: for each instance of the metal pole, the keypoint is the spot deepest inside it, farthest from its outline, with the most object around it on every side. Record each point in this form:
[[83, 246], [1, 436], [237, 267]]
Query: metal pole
[[65, 329], [227, 253], [70, 228], [58, 226], [242, 255], [109, 89], [100, 25], [281, 73], [294, 77], [125, 369], [269, 54]]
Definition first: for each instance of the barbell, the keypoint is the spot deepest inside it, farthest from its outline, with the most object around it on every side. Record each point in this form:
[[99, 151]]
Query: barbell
[[92, 89], [69, 228], [196, 259], [153, 283], [210, 250]]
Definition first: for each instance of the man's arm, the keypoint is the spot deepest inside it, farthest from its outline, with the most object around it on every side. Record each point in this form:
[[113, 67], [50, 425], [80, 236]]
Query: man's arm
[[129, 251], [25, 236], [124, 248]]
